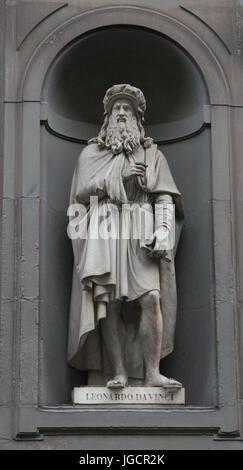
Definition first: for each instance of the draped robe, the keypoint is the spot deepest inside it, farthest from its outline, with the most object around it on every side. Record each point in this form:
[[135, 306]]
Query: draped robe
[[108, 269]]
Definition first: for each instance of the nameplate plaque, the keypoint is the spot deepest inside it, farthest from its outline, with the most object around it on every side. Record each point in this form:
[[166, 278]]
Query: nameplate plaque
[[127, 395]]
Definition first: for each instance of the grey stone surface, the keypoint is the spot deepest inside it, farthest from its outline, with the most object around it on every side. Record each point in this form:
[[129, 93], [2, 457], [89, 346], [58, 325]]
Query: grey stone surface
[[9, 149], [2, 57], [6, 374], [124, 442], [212, 36], [7, 242], [28, 352], [29, 254], [240, 335], [31, 150], [58, 378], [237, 193]]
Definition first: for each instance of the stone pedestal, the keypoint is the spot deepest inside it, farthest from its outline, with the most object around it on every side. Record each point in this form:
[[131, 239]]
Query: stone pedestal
[[127, 395]]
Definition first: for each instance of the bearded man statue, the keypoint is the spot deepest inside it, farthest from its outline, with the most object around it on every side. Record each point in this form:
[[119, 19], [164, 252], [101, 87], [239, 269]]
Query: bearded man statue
[[123, 301]]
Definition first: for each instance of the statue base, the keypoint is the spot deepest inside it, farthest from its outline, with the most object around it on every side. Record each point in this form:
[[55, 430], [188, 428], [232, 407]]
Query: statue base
[[127, 395]]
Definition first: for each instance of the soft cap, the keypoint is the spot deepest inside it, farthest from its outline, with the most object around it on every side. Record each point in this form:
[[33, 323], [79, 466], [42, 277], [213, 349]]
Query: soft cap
[[125, 91]]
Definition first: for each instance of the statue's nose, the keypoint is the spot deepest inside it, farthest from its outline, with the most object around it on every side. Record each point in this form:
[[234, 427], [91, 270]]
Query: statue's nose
[[121, 111]]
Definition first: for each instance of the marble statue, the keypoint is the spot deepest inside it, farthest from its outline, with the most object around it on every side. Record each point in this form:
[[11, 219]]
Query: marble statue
[[123, 301]]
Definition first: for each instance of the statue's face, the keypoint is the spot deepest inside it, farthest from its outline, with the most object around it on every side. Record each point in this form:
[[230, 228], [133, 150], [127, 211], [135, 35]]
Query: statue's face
[[122, 133], [122, 111]]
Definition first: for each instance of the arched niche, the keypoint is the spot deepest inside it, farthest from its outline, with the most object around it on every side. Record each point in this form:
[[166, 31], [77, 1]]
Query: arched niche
[[176, 95], [172, 84]]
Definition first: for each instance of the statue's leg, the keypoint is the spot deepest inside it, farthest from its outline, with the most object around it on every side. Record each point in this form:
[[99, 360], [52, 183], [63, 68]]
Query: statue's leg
[[111, 332], [150, 332]]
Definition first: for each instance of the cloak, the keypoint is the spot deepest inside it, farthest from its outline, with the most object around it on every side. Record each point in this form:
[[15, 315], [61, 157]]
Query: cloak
[[98, 173]]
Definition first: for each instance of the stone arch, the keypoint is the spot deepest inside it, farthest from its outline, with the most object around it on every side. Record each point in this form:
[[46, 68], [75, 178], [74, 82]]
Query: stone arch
[[31, 84]]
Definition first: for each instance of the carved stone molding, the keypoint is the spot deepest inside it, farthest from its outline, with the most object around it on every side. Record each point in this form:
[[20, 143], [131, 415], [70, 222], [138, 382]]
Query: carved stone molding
[[29, 16], [217, 19]]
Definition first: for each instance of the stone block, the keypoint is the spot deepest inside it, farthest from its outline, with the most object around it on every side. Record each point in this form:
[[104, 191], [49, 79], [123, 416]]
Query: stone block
[[127, 395]]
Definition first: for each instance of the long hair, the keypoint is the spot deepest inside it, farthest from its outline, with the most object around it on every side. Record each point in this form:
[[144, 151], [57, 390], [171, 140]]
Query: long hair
[[100, 140]]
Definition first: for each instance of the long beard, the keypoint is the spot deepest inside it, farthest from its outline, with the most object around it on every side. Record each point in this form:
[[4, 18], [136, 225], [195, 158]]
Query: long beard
[[122, 136]]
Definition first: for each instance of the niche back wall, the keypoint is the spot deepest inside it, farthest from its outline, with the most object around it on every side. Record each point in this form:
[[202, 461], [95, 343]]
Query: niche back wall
[[175, 94]]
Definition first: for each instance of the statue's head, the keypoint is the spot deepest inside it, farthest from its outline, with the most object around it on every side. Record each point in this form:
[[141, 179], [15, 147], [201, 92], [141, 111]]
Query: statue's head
[[122, 129]]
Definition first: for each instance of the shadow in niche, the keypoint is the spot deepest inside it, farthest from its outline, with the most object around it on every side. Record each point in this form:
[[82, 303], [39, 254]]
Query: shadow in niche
[[175, 94]]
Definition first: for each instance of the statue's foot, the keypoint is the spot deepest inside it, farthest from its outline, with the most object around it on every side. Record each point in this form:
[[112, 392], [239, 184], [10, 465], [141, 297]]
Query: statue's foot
[[119, 381], [160, 380]]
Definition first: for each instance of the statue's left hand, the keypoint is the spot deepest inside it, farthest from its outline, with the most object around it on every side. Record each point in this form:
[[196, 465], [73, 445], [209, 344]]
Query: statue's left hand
[[160, 242]]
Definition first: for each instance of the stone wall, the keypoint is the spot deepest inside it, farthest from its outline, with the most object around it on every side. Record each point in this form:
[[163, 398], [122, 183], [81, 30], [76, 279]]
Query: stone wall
[[41, 137]]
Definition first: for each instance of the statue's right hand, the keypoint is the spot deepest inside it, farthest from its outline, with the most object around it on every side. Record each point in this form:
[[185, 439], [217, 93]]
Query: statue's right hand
[[133, 169]]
